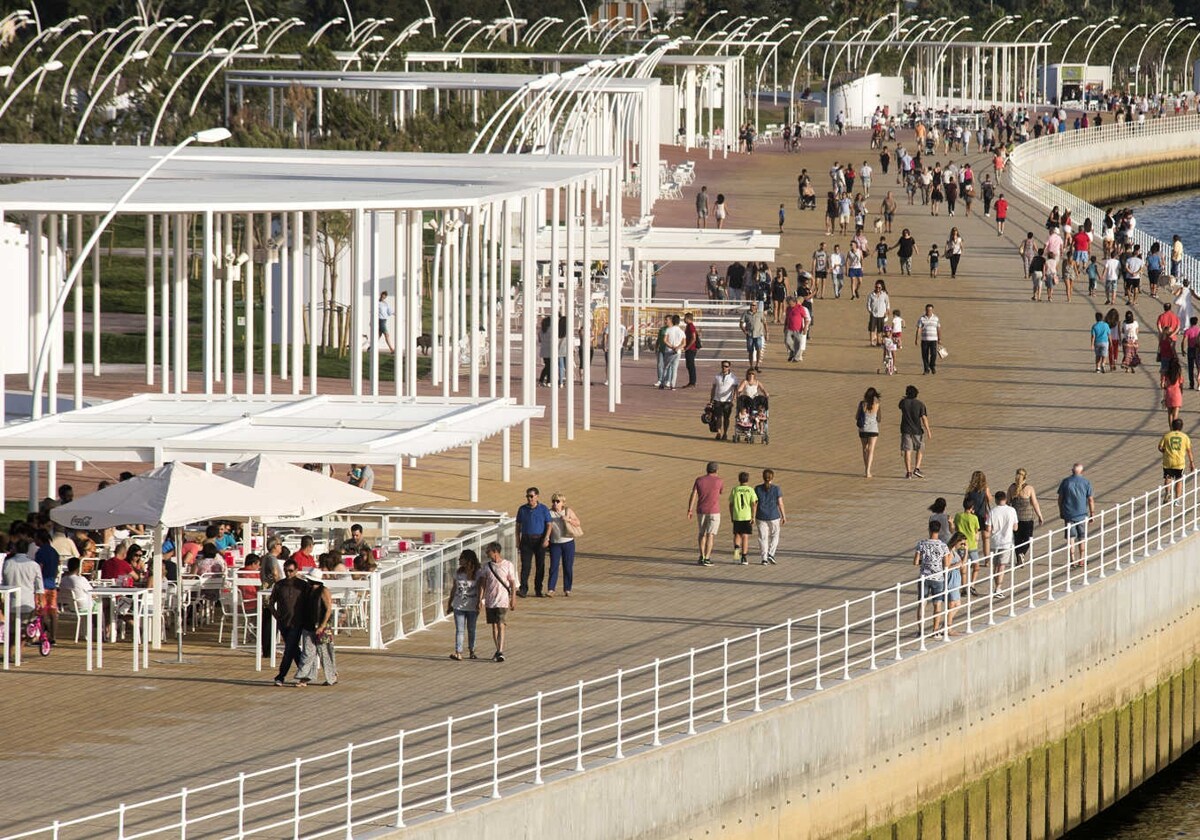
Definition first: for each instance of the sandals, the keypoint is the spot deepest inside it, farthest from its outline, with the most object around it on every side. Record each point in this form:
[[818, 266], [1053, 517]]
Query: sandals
[[456, 656]]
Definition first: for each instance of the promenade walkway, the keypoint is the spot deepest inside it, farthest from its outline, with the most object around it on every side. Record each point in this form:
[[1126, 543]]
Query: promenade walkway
[[1017, 390]]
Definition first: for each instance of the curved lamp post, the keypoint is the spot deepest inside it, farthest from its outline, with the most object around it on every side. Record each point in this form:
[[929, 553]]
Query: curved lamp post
[[707, 21], [112, 44], [1181, 26], [211, 135], [179, 43], [48, 67], [1095, 40], [316, 36], [43, 36], [139, 55], [280, 31], [539, 29], [95, 39], [216, 38], [228, 57], [404, 35], [832, 38], [182, 23], [216, 51], [1137, 67], [1112, 67], [895, 37], [82, 33]]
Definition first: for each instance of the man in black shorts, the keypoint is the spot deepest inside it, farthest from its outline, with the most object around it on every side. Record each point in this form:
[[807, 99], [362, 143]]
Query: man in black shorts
[[1176, 449]]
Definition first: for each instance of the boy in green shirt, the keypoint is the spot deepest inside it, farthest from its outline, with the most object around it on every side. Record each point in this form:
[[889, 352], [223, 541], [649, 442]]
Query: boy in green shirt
[[741, 511], [967, 524]]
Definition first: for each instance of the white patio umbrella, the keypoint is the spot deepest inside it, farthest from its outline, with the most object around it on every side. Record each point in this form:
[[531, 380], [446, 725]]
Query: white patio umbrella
[[285, 491], [171, 496]]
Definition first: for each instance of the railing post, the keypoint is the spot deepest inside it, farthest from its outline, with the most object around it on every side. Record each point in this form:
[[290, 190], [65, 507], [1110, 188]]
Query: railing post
[[921, 611], [1050, 564], [691, 691], [121, 821], [449, 809], [725, 680], [183, 823], [620, 709], [350, 791], [757, 672], [1102, 535], [970, 599], [846, 640], [898, 655], [1070, 564], [787, 666], [873, 665], [400, 779], [241, 815], [1146, 525], [537, 747], [579, 729], [991, 561], [1117, 544], [495, 751], [296, 801], [1158, 506], [817, 684], [657, 737]]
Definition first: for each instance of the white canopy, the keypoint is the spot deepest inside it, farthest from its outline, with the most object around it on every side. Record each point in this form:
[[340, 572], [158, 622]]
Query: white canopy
[[284, 490], [647, 242], [172, 495]]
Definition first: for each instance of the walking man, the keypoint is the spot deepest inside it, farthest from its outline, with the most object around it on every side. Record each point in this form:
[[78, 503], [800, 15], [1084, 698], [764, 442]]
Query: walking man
[[1076, 506], [288, 598], [1002, 521], [769, 515], [795, 323], [702, 208], [754, 326], [496, 591], [533, 538], [742, 500], [705, 503], [929, 330], [914, 430], [1176, 449], [723, 389], [1001, 211]]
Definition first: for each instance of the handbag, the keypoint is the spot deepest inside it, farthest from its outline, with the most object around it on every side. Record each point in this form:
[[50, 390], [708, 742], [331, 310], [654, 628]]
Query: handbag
[[699, 346], [942, 352], [572, 523]]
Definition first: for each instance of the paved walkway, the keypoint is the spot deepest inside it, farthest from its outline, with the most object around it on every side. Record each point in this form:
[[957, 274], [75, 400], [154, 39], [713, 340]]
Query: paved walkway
[[1017, 390]]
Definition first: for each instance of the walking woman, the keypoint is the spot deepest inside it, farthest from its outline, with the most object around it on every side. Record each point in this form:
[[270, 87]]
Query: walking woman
[[905, 248], [721, 210], [1172, 388], [1113, 318], [868, 428], [978, 492], [1024, 501], [954, 246], [564, 527], [1129, 342], [464, 603], [778, 293]]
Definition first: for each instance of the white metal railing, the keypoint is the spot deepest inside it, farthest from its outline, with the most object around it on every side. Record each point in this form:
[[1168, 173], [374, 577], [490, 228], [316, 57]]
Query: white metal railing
[[419, 772], [1055, 152]]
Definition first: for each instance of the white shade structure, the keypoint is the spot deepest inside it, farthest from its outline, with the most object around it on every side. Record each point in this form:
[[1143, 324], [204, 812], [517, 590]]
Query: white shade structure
[[173, 495], [291, 492]]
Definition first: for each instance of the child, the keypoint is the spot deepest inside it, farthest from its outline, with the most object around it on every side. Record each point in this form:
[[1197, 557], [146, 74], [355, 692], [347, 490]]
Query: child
[[967, 524], [781, 217], [1093, 275], [889, 351], [881, 250], [836, 264], [743, 419], [897, 329], [933, 260], [741, 511]]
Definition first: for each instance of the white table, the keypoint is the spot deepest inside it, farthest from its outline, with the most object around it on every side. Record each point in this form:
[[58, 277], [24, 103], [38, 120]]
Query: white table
[[11, 596], [141, 651]]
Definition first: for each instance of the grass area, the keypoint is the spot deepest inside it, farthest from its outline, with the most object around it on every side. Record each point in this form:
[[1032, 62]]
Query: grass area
[[14, 511]]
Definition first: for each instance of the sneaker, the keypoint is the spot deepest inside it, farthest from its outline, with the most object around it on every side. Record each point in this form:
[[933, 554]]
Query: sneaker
[[908, 475], [706, 562], [743, 562], [999, 596], [762, 563], [281, 683], [917, 473], [700, 561], [771, 559], [499, 656], [737, 554]]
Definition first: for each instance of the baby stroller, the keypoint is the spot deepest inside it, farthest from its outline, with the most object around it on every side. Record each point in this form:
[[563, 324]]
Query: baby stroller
[[753, 420]]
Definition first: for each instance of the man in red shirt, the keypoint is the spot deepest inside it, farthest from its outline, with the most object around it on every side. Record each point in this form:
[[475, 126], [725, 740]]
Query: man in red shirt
[[1001, 211], [116, 566], [795, 322], [304, 555], [705, 503], [1168, 332]]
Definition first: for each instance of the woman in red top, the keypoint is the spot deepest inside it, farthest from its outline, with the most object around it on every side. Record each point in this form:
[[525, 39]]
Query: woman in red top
[[1172, 388]]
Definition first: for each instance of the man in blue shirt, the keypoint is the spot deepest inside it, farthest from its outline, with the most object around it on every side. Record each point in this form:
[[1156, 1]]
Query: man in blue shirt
[[47, 558], [1100, 338], [768, 516], [1076, 506], [533, 537]]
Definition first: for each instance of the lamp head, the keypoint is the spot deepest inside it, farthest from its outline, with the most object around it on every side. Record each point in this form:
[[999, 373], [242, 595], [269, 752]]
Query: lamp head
[[218, 51], [51, 66], [86, 33], [6, 71], [139, 55], [212, 135]]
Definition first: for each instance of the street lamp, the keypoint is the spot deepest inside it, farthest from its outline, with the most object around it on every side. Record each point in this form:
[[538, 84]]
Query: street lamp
[[997, 26], [321, 31], [62, 100], [211, 135], [832, 38], [1075, 37], [456, 30], [357, 54], [220, 64], [48, 67], [175, 47], [82, 33], [536, 32], [216, 51], [1181, 26], [45, 35], [804, 31], [280, 31], [707, 21], [408, 32], [112, 45], [1095, 40], [1112, 66], [139, 55], [1137, 67], [179, 24]]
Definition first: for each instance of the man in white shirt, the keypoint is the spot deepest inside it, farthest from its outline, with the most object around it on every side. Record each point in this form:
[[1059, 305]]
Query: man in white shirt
[[383, 313], [864, 176], [21, 571], [675, 338], [723, 388], [1112, 273], [929, 331], [1002, 521]]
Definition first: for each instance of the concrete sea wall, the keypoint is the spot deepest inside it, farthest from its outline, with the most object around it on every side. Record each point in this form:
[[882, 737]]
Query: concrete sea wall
[[1125, 182], [1019, 730]]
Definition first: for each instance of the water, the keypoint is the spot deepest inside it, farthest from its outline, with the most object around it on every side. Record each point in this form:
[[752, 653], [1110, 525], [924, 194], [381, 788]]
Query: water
[[1177, 213], [1165, 808]]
